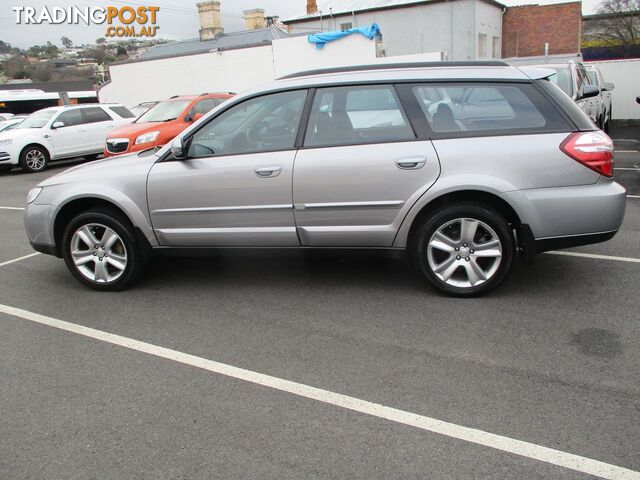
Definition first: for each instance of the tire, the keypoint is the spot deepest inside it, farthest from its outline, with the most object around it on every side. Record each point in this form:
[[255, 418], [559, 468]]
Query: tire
[[33, 159], [5, 168], [91, 158], [455, 272], [116, 264]]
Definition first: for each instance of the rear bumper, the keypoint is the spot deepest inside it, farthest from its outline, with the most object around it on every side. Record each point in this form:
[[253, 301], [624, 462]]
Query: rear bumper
[[571, 215]]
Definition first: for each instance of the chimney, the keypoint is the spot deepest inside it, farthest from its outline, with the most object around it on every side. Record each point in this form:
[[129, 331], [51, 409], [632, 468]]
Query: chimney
[[312, 7], [255, 19], [210, 23]]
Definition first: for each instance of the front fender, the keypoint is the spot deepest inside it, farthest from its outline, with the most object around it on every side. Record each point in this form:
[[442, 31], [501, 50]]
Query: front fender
[[136, 213]]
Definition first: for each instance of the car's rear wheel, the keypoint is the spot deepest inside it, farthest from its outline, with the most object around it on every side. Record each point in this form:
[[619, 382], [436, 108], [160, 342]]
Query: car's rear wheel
[[33, 159], [464, 250], [101, 250]]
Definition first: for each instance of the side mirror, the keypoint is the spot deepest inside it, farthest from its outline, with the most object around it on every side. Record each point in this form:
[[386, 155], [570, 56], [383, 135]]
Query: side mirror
[[638, 99], [178, 148], [57, 125], [589, 91], [608, 86], [197, 117]]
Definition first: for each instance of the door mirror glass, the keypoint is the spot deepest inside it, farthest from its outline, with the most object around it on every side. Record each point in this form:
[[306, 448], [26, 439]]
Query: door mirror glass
[[589, 91], [197, 117], [57, 124], [608, 86], [178, 149]]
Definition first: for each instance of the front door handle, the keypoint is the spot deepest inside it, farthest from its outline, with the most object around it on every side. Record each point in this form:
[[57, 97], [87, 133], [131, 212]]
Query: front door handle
[[268, 172], [82, 131], [411, 163]]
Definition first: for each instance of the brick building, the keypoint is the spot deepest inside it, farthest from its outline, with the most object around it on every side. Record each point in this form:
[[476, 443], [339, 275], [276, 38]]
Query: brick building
[[526, 29]]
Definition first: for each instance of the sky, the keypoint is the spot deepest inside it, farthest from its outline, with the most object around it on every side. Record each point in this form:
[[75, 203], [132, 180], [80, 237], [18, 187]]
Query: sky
[[177, 19]]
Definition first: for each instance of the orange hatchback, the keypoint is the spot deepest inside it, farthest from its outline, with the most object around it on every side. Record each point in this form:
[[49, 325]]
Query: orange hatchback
[[162, 123]]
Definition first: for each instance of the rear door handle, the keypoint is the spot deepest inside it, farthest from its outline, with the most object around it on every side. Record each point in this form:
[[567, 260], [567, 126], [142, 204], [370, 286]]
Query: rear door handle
[[268, 172], [411, 163]]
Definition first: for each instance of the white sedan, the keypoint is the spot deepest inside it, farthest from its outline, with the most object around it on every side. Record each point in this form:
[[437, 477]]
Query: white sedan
[[60, 132]]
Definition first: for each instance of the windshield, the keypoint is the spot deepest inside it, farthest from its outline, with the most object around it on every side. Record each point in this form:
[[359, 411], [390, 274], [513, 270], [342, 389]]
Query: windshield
[[164, 111], [562, 78], [36, 120]]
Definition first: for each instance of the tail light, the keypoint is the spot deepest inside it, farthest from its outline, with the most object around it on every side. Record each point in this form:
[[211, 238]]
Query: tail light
[[592, 149]]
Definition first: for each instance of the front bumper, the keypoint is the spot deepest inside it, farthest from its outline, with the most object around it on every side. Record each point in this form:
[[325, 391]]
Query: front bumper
[[6, 158], [38, 223]]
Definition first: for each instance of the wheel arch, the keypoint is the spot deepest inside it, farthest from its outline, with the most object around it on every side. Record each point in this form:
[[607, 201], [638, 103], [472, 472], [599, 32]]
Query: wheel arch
[[81, 204], [471, 195], [35, 144]]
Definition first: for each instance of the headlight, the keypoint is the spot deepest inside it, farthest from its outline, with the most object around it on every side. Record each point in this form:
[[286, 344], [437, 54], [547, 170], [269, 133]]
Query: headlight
[[8, 141], [147, 138], [33, 194]]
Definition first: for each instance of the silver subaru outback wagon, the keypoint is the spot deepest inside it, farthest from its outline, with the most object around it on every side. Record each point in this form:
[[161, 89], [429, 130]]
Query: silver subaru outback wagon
[[461, 165]]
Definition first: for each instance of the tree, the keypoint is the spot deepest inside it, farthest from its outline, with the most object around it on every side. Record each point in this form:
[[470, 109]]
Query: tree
[[618, 23], [98, 54], [101, 40], [43, 73], [121, 51], [66, 42]]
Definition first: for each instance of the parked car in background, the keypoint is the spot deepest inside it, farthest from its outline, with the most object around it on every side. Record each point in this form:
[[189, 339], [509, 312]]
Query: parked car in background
[[60, 132], [12, 122], [596, 77], [516, 167], [142, 108], [160, 124], [573, 79]]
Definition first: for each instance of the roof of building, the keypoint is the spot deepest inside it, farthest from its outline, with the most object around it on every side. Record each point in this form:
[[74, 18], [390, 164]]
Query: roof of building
[[70, 86], [226, 41], [343, 7]]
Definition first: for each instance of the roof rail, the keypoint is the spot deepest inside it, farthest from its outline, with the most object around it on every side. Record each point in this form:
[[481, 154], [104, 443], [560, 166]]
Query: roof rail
[[203, 94], [175, 96], [389, 66]]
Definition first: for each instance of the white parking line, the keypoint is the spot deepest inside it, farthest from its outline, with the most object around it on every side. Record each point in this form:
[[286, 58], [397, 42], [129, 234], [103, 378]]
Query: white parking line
[[628, 169], [633, 196], [11, 208], [597, 257], [472, 435], [626, 151], [9, 262]]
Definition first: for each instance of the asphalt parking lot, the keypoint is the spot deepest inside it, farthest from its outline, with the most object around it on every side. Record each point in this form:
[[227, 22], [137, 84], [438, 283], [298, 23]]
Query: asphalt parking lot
[[407, 383]]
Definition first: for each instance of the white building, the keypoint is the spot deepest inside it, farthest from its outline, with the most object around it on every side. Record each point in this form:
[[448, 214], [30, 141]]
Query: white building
[[461, 29]]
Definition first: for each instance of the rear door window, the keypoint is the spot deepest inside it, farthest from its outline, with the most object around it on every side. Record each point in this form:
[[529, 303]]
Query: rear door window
[[486, 109], [122, 112], [96, 115], [357, 115]]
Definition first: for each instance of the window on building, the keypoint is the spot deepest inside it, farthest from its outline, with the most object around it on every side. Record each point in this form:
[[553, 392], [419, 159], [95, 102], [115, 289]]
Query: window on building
[[346, 26], [496, 47], [356, 115], [482, 45]]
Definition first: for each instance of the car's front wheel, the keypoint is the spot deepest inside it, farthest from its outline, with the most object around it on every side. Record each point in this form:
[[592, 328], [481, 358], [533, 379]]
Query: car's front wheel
[[465, 249], [33, 159], [100, 250]]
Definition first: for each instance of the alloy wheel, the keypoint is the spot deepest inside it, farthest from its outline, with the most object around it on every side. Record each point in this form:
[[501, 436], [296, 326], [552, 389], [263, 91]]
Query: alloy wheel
[[35, 159], [464, 252], [98, 253]]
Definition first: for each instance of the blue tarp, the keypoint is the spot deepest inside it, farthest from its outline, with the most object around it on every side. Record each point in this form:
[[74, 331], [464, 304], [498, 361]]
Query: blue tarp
[[371, 32]]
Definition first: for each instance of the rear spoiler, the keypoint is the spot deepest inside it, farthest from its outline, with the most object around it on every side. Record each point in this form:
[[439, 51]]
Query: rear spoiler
[[536, 73]]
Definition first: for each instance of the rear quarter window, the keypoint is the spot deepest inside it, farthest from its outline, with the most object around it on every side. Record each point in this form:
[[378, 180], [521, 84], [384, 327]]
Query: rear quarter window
[[122, 112], [579, 119], [481, 109]]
